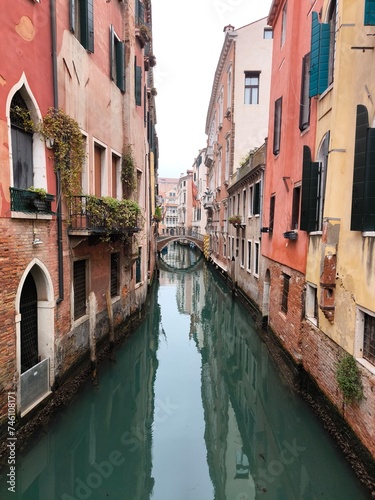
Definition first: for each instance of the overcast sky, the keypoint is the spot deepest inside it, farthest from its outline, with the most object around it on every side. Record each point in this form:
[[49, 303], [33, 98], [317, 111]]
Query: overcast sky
[[187, 40]]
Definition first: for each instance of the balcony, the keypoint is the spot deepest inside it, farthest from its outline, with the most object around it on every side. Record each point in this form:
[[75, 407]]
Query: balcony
[[30, 202], [92, 216], [208, 201]]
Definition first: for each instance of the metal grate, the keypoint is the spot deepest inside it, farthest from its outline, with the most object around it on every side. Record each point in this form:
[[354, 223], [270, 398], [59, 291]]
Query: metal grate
[[285, 293], [29, 324], [79, 287], [369, 338], [23, 200], [115, 259], [34, 384]]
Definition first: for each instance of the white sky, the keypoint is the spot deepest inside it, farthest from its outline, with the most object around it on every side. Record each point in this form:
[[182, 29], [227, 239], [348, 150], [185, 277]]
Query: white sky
[[187, 41]]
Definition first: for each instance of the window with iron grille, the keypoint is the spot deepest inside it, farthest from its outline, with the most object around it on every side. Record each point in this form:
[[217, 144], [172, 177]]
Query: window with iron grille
[[285, 293], [277, 126], [79, 288], [138, 268], [369, 338], [115, 268], [272, 213]]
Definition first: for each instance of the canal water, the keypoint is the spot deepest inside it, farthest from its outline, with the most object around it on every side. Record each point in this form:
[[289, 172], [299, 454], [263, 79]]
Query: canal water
[[193, 409]]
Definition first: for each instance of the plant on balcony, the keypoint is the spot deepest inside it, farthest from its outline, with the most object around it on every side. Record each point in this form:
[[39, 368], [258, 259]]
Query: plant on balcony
[[152, 60], [68, 148], [145, 33], [157, 214], [112, 216], [153, 91], [42, 193], [235, 219], [128, 167], [349, 379]]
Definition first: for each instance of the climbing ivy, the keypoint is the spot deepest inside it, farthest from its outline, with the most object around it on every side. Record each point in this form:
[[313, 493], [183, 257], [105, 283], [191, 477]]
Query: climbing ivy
[[128, 170], [349, 379]]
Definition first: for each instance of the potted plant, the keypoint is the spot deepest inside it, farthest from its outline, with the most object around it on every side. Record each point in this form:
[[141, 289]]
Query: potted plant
[[157, 214], [235, 220], [41, 199]]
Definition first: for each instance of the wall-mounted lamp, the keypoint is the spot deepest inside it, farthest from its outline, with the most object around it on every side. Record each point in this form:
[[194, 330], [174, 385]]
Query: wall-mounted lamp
[[49, 143], [37, 241]]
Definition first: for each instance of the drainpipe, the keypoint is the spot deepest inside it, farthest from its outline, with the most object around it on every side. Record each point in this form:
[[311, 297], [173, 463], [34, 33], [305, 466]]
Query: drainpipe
[[58, 180]]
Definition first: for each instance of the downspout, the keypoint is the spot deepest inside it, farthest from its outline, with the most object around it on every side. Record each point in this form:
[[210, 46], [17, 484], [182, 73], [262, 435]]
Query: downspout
[[58, 180]]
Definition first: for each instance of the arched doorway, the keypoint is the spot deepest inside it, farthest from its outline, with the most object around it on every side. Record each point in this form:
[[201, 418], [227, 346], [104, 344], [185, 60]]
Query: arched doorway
[[29, 324]]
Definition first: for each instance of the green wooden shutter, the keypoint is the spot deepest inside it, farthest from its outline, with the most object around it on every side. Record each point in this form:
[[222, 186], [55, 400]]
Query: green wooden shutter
[[138, 86], [369, 185], [120, 65], [369, 13], [319, 59], [310, 181], [359, 168], [314, 54]]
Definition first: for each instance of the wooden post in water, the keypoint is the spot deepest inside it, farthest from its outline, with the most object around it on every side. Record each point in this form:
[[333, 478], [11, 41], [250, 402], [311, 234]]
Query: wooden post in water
[[92, 341], [111, 326]]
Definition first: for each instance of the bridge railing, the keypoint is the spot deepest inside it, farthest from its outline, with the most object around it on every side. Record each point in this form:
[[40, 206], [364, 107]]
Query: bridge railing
[[181, 232]]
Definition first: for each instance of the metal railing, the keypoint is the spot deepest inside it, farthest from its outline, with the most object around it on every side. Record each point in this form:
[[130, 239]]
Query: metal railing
[[30, 202], [34, 384], [180, 232]]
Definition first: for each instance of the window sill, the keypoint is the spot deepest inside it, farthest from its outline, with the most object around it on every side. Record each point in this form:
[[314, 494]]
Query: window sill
[[327, 91], [33, 216], [312, 320], [316, 233], [79, 321], [366, 364], [368, 234]]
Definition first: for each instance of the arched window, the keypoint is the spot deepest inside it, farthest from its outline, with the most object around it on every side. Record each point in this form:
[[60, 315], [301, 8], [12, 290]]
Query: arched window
[[22, 143]]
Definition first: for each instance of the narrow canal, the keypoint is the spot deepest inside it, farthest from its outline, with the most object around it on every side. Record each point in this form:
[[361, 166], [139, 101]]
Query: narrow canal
[[193, 409]]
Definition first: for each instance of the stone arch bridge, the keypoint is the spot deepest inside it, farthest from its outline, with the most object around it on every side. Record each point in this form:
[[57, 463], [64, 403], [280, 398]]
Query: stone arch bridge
[[187, 235]]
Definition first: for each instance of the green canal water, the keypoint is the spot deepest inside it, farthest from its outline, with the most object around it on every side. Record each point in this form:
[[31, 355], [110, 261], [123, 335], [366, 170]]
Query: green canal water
[[193, 409]]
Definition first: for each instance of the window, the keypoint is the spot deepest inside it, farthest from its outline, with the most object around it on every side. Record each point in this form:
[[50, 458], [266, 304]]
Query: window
[[363, 199], [115, 271], [98, 169], [229, 88], [369, 13], [251, 200], [79, 288], [249, 256], [267, 33], [242, 252], [319, 56], [138, 266], [283, 26], [82, 22], [304, 109], [332, 39], [256, 199], [244, 204], [312, 303], [139, 13], [22, 145], [117, 58], [313, 187], [256, 258], [251, 87], [272, 213], [365, 335], [138, 83], [285, 293], [277, 126], [116, 176], [227, 157], [295, 207]]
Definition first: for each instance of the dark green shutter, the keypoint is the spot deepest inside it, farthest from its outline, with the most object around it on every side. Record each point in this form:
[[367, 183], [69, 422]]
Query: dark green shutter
[[138, 86], [120, 70], [319, 59], [369, 13], [314, 54], [359, 168], [310, 181], [369, 186], [90, 26]]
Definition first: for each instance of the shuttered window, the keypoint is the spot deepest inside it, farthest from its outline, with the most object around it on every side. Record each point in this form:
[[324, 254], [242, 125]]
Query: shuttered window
[[117, 58], [277, 126], [82, 22], [79, 288], [285, 293], [272, 213], [138, 84], [310, 183], [369, 338], [369, 13], [319, 56], [256, 199], [139, 13], [304, 112], [363, 194]]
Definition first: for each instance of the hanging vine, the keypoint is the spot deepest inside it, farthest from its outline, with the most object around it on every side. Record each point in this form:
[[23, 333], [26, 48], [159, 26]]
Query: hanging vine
[[128, 167], [68, 148], [349, 379]]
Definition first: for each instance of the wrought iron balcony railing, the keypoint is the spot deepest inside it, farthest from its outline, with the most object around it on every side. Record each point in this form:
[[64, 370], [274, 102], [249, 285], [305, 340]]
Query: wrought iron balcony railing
[[102, 216], [30, 202]]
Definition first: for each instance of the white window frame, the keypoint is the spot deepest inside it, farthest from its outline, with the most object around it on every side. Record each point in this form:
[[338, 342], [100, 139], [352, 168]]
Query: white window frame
[[311, 296], [359, 336]]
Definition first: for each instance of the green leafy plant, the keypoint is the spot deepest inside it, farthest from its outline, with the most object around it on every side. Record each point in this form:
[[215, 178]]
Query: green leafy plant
[[158, 214], [68, 148], [42, 193], [128, 167], [113, 216], [235, 219], [145, 32], [349, 379], [21, 116]]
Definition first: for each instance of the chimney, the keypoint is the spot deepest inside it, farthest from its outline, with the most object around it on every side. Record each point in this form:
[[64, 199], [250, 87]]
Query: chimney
[[228, 27]]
